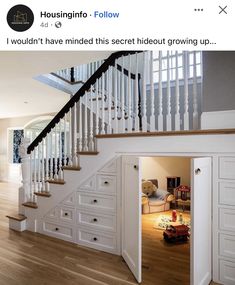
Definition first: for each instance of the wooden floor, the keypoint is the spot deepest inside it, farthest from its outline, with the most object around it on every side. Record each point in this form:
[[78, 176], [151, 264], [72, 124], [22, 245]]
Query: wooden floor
[[27, 258]]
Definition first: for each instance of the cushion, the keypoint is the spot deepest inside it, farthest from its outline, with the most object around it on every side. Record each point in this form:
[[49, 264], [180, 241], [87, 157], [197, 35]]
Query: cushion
[[161, 194], [156, 202]]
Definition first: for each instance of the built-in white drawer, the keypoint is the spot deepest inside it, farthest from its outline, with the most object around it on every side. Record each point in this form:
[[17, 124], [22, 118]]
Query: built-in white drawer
[[227, 272], [56, 230], [97, 240], [66, 214], [227, 167], [106, 184], [110, 167], [97, 221], [227, 193], [227, 245], [70, 200], [89, 184], [227, 219], [53, 214], [96, 202]]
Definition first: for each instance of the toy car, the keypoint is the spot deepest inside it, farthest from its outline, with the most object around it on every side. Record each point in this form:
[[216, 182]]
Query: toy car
[[176, 233]]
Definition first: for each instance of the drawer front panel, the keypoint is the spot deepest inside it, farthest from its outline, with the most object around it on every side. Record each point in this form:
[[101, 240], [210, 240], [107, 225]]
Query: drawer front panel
[[96, 202], [97, 240], [106, 184], [227, 245], [227, 219], [59, 231], [227, 193], [227, 167], [67, 214], [227, 272], [97, 221]]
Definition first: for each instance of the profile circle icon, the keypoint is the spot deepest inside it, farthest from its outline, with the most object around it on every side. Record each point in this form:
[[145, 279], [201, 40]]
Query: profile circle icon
[[20, 18]]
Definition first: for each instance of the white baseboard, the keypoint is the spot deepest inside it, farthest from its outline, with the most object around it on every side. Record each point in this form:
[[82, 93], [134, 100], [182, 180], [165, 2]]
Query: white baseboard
[[218, 120]]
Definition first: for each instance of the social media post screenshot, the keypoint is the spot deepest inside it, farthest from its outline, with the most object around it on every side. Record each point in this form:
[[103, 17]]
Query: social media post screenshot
[[117, 142]]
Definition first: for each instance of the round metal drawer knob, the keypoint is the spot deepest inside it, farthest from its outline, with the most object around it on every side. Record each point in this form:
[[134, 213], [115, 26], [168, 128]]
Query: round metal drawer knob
[[95, 201], [66, 214], [95, 220], [95, 239], [106, 182], [56, 229]]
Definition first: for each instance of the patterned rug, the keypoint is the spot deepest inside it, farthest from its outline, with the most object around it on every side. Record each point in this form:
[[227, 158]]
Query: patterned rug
[[165, 220]]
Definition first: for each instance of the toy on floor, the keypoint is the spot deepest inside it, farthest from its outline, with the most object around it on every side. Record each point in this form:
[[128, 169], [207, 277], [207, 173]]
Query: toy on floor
[[176, 233]]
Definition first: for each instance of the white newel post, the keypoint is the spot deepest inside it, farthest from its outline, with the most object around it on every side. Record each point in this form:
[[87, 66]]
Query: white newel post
[[24, 190]]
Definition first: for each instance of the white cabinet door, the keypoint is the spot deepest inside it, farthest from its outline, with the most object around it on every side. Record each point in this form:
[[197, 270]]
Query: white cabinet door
[[201, 221], [131, 215]]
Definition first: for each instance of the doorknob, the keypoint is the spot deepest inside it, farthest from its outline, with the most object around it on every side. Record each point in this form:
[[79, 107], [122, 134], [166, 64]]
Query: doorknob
[[197, 171], [136, 167]]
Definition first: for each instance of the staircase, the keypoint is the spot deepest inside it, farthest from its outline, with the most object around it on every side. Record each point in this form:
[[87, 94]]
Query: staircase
[[68, 185]]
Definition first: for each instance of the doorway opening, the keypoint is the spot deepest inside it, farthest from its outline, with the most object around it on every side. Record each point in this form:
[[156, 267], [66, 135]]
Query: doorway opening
[[167, 239], [166, 205]]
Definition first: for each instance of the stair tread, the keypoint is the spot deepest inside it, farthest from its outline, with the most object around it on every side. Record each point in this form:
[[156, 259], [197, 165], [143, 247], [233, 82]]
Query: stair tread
[[30, 205], [17, 217], [43, 194], [56, 181], [87, 152], [75, 168]]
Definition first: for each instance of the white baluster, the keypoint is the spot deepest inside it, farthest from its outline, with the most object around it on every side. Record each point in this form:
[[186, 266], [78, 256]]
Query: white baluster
[[177, 94], [39, 168], [115, 118], [80, 144], [137, 122], [51, 155], [70, 150], [186, 98], [97, 106], [91, 138], [85, 124], [195, 103], [129, 94], [43, 165], [122, 121], [60, 173], [65, 140], [110, 97], [47, 164], [168, 115], [56, 154], [102, 106], [75, 161], [160, 103], [152, 116], [144, 117], [35, 170], [31, 177]]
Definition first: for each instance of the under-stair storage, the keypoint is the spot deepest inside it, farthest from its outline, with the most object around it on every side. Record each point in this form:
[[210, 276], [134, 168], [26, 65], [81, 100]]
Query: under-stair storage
[[89, 215]]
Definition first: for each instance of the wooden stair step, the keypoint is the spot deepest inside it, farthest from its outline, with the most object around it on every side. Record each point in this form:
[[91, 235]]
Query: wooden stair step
[[30, 205], [88, 152], [43, 194], [74, 168], [56, 181], [17, 217]]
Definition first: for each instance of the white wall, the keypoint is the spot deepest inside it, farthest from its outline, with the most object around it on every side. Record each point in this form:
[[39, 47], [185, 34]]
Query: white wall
[[161, 167], [8, 171]]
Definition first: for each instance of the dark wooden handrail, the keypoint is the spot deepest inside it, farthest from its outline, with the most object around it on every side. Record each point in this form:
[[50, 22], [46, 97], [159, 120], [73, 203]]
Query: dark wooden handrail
[[86, 86]]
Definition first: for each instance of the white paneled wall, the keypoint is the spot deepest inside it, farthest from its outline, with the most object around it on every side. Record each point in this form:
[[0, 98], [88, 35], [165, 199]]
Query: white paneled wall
[[224, 220]]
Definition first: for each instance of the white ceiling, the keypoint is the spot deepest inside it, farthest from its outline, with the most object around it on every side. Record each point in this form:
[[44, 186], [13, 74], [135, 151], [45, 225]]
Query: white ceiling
[[17, 70]]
